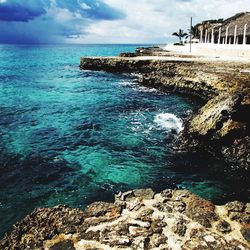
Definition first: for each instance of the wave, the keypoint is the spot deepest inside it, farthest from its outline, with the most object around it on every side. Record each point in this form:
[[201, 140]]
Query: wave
[[146, 89], [135, 86], [169, 122], [127, 83]]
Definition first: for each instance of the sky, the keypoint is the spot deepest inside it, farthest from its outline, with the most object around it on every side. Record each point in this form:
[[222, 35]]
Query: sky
[[106, 21]]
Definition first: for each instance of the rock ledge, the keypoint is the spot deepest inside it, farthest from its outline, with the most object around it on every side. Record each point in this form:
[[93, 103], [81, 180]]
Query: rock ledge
[[138, 219]]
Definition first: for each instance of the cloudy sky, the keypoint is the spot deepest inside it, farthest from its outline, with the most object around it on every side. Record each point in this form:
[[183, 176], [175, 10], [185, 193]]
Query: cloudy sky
[[106, 21]]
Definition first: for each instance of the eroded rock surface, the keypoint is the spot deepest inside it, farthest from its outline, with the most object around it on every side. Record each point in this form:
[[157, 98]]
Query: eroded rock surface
[[221, 126], [172, 219]]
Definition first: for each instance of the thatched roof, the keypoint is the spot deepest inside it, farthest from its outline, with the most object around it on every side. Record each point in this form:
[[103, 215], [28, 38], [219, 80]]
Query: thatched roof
[[240, 20]]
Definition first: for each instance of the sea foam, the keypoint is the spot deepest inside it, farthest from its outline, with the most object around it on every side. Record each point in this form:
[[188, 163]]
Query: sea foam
[[169, 122]]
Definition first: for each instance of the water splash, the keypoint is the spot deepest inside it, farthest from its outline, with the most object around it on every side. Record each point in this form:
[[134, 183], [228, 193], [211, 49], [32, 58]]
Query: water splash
[[169, 122]]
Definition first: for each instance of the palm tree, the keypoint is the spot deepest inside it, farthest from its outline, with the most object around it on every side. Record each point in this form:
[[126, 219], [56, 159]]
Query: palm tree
[[180, 34], [194, 32]]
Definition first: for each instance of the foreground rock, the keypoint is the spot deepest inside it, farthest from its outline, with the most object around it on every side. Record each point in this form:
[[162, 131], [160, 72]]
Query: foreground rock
[[221, 126], [138, 219]]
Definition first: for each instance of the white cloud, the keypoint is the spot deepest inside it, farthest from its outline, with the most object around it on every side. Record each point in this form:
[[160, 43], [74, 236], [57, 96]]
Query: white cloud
[[153, 21], [85, 6]]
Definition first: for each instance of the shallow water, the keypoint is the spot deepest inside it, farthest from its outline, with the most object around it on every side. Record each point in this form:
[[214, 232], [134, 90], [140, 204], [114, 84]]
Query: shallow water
[[74, 137]]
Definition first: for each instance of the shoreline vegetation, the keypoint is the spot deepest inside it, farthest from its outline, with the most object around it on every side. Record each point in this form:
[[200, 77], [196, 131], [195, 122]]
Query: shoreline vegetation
[[141, 219]]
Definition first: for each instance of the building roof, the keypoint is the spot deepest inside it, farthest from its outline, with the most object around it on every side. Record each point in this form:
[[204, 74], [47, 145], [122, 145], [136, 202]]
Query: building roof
[[240, 20]]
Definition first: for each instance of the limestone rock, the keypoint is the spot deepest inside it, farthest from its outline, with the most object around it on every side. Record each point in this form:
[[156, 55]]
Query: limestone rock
[[221, 126], [180, 227], [201, 210], [65, 245], [235, 206], [108, 226], [223, 227], [245, 231]]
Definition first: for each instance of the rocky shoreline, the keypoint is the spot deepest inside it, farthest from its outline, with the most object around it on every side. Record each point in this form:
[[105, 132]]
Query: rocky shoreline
[[172, 219], [221, 126], [138, 219]]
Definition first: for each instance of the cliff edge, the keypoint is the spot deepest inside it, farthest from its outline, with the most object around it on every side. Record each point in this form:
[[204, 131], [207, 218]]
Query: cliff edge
[[221, 126]]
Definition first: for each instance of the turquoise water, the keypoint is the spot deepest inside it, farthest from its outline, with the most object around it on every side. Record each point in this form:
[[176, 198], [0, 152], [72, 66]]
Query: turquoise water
[[73, 137]]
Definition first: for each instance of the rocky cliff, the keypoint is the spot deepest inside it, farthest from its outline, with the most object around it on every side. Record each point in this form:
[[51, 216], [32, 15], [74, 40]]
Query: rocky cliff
[[138, 219], [222, 125]]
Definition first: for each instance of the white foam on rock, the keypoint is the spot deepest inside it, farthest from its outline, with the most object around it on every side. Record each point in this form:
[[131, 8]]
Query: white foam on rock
[[169, 122]]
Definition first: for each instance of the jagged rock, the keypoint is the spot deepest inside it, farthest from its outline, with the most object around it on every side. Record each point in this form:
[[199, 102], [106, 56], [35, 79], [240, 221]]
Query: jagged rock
[[127, 54], [90, 235], [157, 226], [44, 224], [137, 193], [156, 240], [108, 226], [235, 206], [122, 228], [103, 209], [180, 227], [145, 215], [113, 239], [214, 127], [223, 227], [138, 231], [201, 210], [245, 218], [126, 196], [245, 231], [139, 223], [63, 245], [235, 216], [146, 194], [177, 206], [221, 126], [135, 204], [167, 193], [140, 243], [247, 209]]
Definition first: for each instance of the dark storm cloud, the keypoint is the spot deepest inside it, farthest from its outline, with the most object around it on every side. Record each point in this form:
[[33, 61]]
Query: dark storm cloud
[[31, 21], [22, 11]]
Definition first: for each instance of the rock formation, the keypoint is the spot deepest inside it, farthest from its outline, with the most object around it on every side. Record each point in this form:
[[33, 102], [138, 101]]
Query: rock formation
[[138, 219], [172, 219], [221, 126]]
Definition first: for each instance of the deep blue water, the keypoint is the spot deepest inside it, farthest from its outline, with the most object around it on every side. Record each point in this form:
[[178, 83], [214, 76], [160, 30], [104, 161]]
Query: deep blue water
[[73, 137]]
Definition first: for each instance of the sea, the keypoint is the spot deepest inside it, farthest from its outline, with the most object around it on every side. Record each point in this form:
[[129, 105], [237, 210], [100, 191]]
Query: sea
[[71, 136]]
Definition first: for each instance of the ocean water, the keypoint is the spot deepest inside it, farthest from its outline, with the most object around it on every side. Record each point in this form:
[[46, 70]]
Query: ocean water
[[74, 137]]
